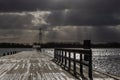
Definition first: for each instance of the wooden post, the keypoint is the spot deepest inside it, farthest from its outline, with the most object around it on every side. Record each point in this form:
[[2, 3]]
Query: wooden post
[[81, 66], [62, 58], [86, 45], [88, 57], [69, 61], [8, 53], [54, 54], [4, 54], [11, 53], [65, 58], [74, 66], [90, 66], [57, 55]]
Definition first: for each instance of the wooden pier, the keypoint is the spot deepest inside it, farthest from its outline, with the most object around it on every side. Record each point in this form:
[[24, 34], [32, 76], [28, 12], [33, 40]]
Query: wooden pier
[[33, 65]]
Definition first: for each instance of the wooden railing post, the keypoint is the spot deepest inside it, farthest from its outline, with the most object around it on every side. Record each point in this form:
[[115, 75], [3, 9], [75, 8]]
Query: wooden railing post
[[54, 54], [58, 56], [62, 58], [69, 62], [90, 66], [74, 62], [65, 58], [86, 45], [81, 66], [88, 57]]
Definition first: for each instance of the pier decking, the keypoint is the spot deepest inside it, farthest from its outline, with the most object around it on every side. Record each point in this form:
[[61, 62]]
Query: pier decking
[[33, 65]]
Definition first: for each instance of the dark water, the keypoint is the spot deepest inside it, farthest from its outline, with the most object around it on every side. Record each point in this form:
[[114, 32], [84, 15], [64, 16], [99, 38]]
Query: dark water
[[107, 60]]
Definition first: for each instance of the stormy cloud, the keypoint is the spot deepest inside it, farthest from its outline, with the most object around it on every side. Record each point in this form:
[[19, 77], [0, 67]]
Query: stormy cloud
[[31, 5], [21, 27], [25, 20], [78, 34], [69, 12], [82, 18], [60, 20]]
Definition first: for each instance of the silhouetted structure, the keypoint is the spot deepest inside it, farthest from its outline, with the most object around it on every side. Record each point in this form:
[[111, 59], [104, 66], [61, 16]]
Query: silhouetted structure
[[40, 36]]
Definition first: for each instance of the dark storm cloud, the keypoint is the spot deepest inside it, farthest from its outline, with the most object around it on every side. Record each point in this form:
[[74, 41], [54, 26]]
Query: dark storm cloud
[[70, 13], [78, 34], [105, 34], [82, 12], [15, 21], [18, 35], [86, 13], [30, 5], [85, 18]]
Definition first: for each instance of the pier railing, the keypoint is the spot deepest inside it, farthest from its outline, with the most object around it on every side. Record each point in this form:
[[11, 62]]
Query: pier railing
[[74, 61], [10, 53]]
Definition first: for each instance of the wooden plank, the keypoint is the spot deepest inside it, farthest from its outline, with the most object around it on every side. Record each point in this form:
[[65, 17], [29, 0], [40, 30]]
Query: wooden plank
[[31, 65]]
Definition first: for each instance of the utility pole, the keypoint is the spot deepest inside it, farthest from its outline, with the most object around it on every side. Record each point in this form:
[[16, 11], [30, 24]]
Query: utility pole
[[40, 38]]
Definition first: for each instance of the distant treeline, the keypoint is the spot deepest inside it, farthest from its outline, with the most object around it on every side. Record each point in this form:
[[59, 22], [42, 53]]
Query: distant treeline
[[14, 45], [79, 45], [59, 45], [106, 45]]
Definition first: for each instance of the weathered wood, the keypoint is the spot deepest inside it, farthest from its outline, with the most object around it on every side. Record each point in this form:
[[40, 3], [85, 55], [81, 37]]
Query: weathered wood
[[90, 66], [80, 51], [86, 45], [82, 62], [87, 60], [65, 59], [81, 66], [31, 65], [74, 66], [69, 68], [62, 58]]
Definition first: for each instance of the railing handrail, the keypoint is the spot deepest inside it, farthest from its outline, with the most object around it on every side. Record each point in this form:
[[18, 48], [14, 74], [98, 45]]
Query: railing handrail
[[85, 55], [81, 51]]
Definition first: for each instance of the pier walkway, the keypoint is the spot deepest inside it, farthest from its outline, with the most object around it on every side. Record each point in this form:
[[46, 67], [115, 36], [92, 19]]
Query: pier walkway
[[33, 65]]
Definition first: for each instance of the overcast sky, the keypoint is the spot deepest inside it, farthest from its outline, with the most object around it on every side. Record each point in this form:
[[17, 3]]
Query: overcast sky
[[60, 20]]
